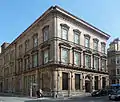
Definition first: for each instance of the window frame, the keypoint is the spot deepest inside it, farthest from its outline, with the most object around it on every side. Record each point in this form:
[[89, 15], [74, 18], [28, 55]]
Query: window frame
[[46, 28], [78, 35], [35, 37], [89, 62], [68, 56]]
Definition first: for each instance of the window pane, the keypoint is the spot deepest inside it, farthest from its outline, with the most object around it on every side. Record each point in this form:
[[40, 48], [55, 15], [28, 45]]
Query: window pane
[[95, 45], [35, 60], [103, 65], [35, 41], [77, 58], [46, 33], [103, 48], [64, 34], [96, 63], [45, 56], [87, 43], [88, 61], [64, 56], [76, 38]]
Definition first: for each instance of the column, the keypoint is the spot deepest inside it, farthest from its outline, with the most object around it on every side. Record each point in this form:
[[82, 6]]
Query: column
[[93, 83], [40, 82], [69, 84], [55, 83], [83, 82], [37, 81], [107, 81]]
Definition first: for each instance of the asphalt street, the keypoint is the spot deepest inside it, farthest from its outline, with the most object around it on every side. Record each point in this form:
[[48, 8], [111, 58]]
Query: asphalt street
[[72, 99]]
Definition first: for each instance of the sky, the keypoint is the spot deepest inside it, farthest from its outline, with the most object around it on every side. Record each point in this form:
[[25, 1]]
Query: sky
[[17, 15]]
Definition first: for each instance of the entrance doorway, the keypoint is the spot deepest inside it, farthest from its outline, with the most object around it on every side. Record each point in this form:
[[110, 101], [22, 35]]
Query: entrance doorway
[[87, 86]]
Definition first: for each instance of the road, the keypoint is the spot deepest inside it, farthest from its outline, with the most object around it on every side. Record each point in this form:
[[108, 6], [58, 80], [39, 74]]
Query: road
[[73, 99]]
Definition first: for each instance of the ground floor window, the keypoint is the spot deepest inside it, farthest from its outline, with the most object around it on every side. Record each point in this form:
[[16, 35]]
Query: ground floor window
[[64, 81], [77, 81]]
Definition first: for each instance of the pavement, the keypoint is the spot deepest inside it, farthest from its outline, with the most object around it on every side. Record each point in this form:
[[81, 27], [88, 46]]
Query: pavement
[[81, 98]]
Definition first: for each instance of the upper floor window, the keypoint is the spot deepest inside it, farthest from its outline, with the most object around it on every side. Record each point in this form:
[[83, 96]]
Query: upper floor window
[[65, 55], [20, 49], [64, 31], [35, 40], [35, 60], [27, 63], [96, 63], [26, 45], [77, 58], [87, 40], [20, 63], [46, 56], [76, 36], [87, 61], [95, 44], [45, 33], [103, 64], [103, 47]]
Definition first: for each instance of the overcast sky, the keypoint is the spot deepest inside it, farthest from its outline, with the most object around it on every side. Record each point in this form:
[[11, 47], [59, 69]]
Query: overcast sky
[[17, 15]]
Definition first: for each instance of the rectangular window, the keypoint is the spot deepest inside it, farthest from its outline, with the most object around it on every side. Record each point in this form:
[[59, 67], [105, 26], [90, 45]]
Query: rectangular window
[[35, 40], [96, 63], [77, 58], [103, 48], [20, 65], [87, 42], [64, 81], [77, 81], [103, 64], [76, 38], [27, 64], [87, 61], [95, 45], [46, 56], [64, 56], [64, 33], [45, 33], [35, 60], [26, 45]]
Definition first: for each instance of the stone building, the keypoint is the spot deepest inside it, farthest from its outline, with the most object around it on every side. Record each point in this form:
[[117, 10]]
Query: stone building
[[114, 61], [59, 51]]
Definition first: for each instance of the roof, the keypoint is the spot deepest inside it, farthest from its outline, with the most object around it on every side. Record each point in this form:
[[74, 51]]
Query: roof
[[57, 8]]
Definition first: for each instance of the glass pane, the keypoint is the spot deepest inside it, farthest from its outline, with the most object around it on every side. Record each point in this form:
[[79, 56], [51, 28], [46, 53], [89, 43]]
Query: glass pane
[[45, 34], [64, 34], [46, 56], [86, 42], [88, 61], [76, 58], [95, 46], [76, 38], [35, 60], [64, 57]]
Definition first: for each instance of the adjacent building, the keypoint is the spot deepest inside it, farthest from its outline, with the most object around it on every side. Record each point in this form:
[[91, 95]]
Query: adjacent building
[[114, 61], [58, 52]]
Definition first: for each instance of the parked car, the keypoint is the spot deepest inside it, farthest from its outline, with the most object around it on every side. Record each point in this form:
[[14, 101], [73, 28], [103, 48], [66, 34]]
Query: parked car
[[100, 92], [114, 95]]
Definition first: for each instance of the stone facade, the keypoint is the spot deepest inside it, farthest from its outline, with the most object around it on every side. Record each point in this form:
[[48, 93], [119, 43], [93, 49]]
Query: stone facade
[[48, 55], [114, 61]]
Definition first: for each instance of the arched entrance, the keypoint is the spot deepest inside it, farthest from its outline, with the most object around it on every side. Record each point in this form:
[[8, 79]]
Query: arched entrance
[[88, 83]]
